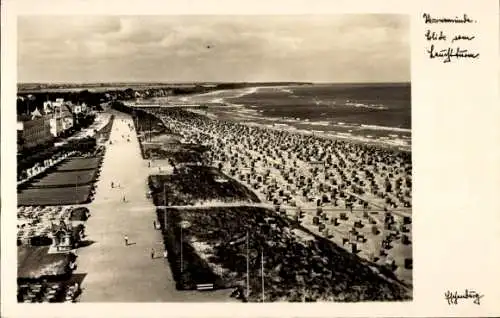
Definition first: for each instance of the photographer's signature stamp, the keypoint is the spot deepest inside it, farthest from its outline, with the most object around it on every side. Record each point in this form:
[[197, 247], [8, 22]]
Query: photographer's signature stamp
[[454, 298]]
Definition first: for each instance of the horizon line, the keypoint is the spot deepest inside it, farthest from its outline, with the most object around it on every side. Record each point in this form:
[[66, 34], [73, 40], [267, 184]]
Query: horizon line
[[212, 82]]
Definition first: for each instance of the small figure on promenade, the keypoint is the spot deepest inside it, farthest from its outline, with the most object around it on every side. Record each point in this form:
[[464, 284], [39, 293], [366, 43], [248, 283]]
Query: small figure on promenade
[[124, 200], [112, 184], [165, 254], [154, 224], [152, 253], [238, 293], [125, 238]]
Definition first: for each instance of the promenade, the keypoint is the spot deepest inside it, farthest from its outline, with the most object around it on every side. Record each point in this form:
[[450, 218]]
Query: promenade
[[113, 271]]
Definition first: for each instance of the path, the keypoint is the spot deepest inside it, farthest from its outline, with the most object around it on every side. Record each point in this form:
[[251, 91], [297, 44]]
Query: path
[[119, 273]]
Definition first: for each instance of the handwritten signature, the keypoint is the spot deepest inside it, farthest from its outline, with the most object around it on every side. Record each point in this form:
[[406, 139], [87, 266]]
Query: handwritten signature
[[453, 297]]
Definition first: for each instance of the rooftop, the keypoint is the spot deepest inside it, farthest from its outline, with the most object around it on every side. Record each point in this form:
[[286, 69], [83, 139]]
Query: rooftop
[[35, 262]]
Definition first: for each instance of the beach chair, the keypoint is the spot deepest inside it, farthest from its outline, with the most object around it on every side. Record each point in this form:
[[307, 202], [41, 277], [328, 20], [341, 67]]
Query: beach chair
[[408, 263], [405, 239], [354, 248], [315, 220]]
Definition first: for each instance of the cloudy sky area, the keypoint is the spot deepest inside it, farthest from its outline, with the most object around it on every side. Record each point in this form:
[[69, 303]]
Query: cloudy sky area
[[333, 48]]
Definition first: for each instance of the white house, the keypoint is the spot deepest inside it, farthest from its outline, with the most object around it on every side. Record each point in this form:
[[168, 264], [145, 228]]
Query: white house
[[61, 117], [48, 107], [56, 126]]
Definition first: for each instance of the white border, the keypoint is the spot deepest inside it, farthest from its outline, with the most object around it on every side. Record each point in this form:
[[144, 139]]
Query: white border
[[456, 135]]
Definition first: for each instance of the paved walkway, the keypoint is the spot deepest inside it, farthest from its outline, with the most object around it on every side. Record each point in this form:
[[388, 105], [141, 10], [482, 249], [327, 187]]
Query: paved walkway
[[119, 273]]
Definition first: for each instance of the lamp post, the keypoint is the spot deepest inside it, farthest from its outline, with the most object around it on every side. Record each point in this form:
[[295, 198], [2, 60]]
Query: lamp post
[[262, 273], [150, 129], [183, 225], [248, 268], [247, 255], [164, 207], [76, 189], [182, 248]]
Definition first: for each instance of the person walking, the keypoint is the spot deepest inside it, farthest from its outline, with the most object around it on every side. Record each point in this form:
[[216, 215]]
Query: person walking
[[152, 253], [165, 254], [125, 238]]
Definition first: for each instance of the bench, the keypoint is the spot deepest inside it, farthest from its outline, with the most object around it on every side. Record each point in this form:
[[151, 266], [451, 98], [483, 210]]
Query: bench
[[202, 287]]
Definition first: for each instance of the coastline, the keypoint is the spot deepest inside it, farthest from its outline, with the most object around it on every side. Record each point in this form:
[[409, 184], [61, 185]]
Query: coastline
[[221, 108], [326, 135]]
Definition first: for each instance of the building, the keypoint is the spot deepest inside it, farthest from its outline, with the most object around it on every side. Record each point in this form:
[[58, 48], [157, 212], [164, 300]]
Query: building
[[56, 126], [67, 118], [61, 116], [34, 130], [65, 236], [48, 107], [77, 109], [20, 139]]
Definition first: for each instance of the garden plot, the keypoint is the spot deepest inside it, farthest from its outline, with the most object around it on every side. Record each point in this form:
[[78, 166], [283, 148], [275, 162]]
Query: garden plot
[[193, 185], [66, 178], [178, 153], [296, 268], [79, 164], [55, 196]]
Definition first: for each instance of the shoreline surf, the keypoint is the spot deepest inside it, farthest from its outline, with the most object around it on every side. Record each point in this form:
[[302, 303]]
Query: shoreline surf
[[232, 104]]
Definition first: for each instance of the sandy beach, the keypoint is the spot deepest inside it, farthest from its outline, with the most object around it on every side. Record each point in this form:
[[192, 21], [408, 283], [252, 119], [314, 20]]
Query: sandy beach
[[224, 104], [356, 195]]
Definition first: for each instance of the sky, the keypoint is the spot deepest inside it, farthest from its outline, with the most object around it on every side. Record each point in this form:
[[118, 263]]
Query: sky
[[329, 48]]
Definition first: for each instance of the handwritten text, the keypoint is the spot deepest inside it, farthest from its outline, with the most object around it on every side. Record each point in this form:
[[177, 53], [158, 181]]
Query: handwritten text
[[463, 19], [449, 47], [454, 297]]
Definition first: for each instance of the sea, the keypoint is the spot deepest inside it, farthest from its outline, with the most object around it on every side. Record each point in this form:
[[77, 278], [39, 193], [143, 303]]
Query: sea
[[374, 113]]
